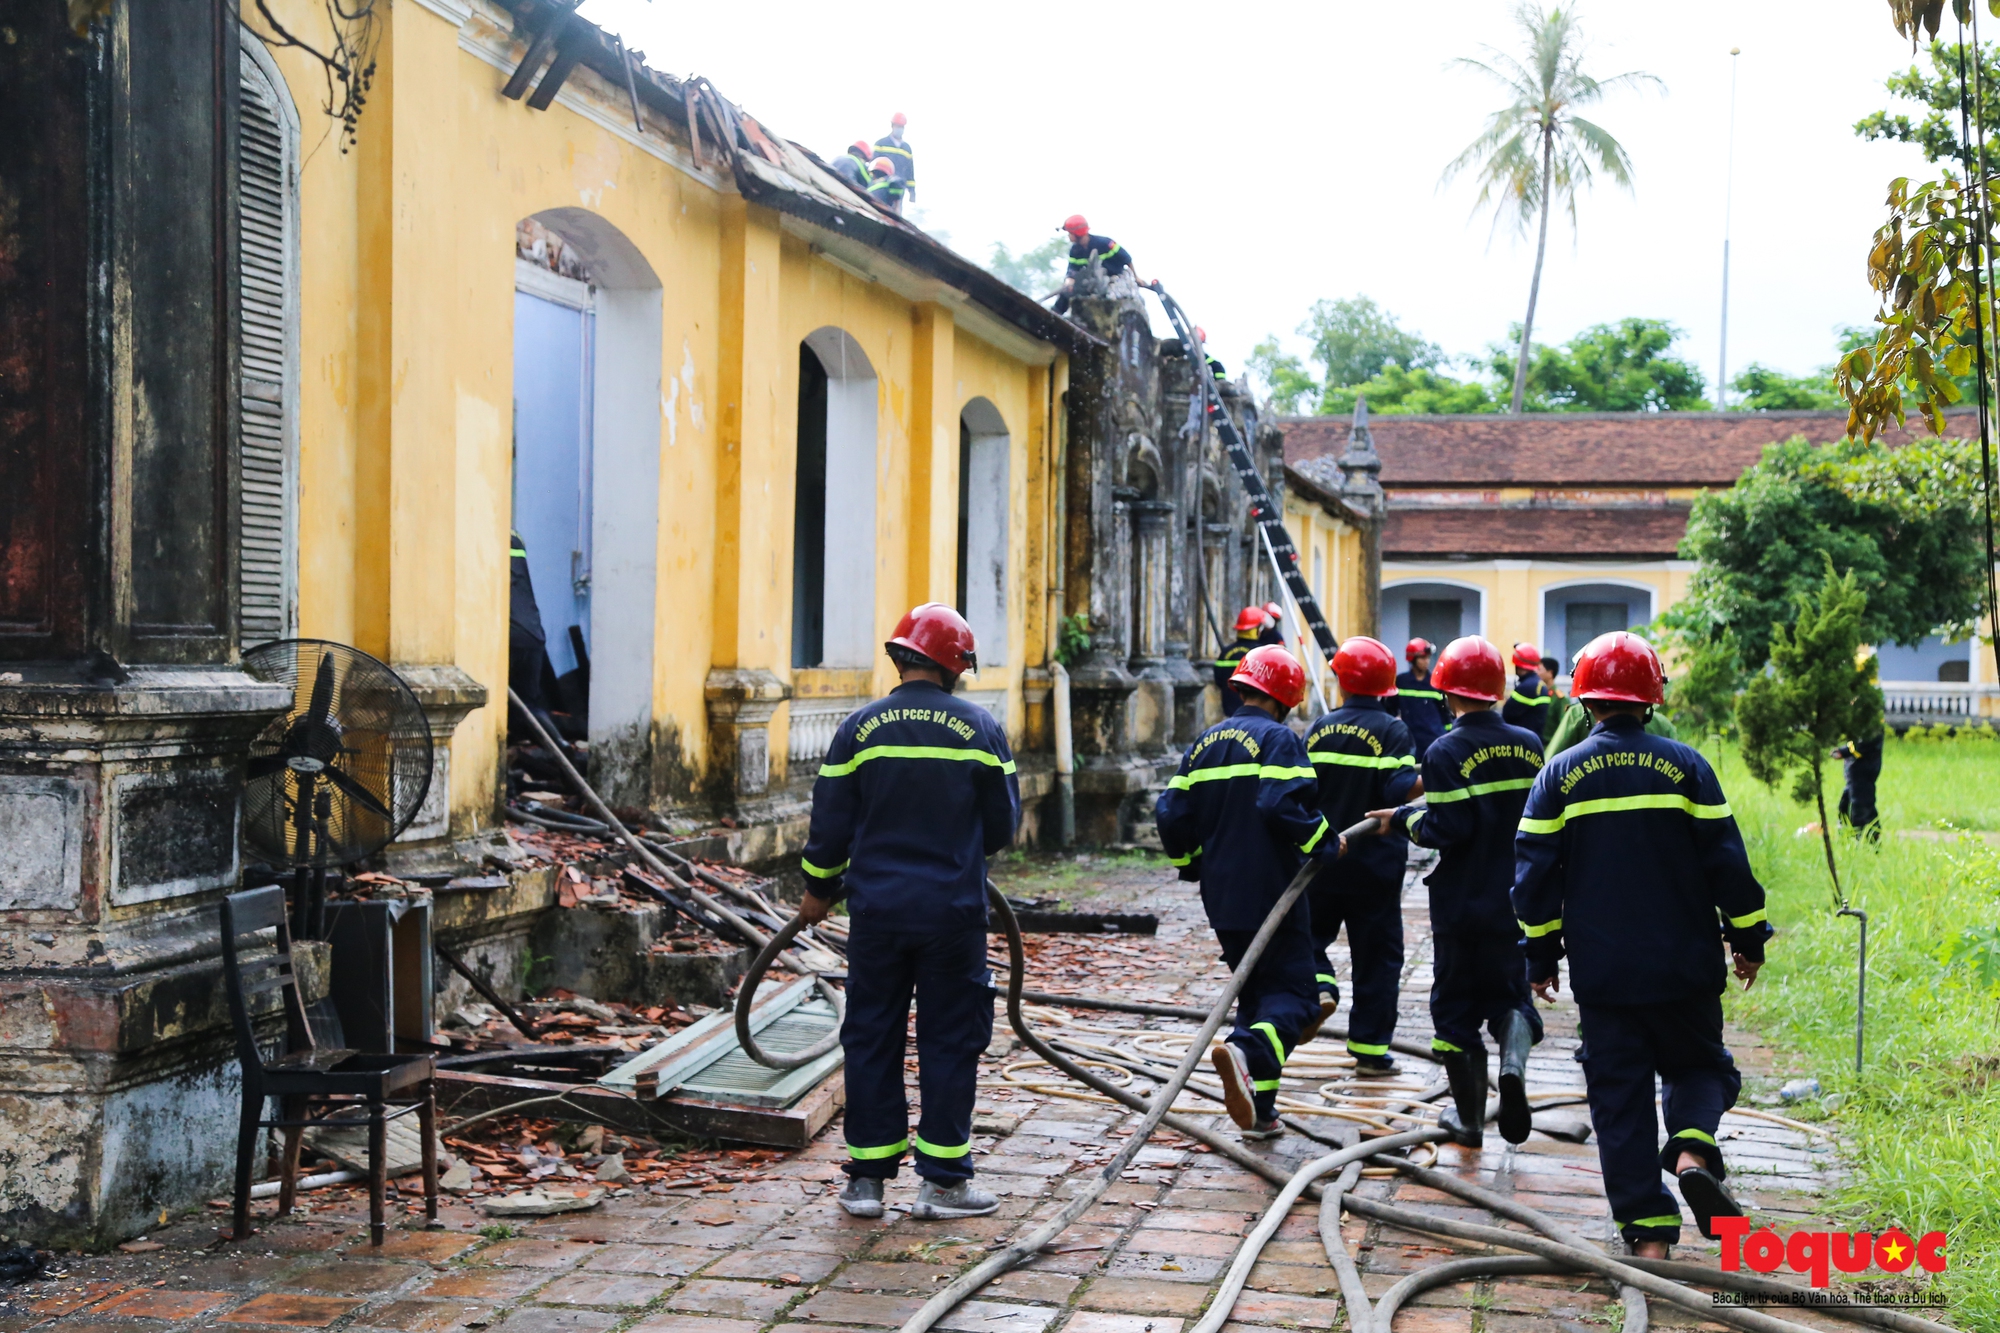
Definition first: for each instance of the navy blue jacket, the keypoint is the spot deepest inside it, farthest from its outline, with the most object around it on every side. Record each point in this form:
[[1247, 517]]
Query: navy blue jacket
[[1364, 760], [1530, 705], [1116, 259], [1240, 816], [1422, 709], [916, 791], [900, 156], [1476, 780], [1629, 858], [1225, 667]]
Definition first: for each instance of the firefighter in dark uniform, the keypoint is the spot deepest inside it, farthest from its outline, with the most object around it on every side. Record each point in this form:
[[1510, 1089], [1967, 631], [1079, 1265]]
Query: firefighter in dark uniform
[[916, 791], [1416, 702], [852, 165], [1085, 246], [1862, 762], [1274, 625], [1240, 817], [1249, 623], [885, 191], [1364, 760], [527, 641], [1476, 780], [1629, 861], [897, 149], [1530, 704]]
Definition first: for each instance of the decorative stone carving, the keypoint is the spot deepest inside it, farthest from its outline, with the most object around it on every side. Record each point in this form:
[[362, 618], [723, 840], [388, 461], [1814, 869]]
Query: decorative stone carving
[[740, 703]]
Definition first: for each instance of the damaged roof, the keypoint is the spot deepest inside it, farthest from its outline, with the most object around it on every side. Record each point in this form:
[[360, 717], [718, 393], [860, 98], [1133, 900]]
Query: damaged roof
[[784, 176]]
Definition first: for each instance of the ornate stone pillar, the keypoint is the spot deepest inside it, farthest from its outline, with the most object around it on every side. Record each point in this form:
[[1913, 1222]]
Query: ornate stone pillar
[[1150, 520], [740, 703]]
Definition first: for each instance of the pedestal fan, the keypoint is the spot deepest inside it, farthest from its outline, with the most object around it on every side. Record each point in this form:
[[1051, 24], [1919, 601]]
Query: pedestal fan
[[338, 775]]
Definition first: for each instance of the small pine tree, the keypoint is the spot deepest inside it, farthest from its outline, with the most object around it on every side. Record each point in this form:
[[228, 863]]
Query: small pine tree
[[1818, 692]]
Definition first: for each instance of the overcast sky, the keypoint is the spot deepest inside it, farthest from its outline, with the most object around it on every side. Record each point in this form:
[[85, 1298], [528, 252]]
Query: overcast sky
[[1257, 156]]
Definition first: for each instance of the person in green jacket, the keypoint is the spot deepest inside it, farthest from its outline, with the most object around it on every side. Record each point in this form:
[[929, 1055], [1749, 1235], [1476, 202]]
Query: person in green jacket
[[1575, 724]]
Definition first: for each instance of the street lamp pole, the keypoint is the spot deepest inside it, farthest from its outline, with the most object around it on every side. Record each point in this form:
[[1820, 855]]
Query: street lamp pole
[[1728, 200]]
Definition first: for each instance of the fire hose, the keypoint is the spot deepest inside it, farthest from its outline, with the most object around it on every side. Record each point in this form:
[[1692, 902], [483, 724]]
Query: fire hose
[[1556, 1250]]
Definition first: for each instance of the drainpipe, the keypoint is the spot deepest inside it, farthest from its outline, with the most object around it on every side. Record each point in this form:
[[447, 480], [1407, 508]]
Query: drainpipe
[[1065, 758]]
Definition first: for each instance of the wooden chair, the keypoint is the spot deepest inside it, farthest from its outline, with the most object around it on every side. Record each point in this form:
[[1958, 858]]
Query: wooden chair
[[313, 1085]]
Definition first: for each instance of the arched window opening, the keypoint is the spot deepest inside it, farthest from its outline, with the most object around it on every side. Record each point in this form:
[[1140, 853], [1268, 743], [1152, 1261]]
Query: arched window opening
[[809, 517], [983, 501]]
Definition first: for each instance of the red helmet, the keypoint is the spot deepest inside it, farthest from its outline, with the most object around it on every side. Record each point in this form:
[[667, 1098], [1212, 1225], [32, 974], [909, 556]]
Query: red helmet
[[1471, 668], [1250, 619], [882, 166], [1200, 334], [939, 633], [1274, 671], [1527, 657], [1619, 666], [1274, 611], [1364, 666], [1418, 648], [1075, 225], [862, 149], [899, 120]]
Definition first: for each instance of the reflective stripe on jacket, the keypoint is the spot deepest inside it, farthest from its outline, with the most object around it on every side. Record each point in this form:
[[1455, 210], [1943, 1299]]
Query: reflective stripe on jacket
[[1241, 816], [1365, 762], [900, 157], [1476, 780], [916, 791], [1528, 705], [1629, 859], [1421, 708]]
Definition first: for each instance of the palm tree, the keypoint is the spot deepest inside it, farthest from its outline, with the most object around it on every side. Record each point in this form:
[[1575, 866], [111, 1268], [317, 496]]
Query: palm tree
[[1536, 152]]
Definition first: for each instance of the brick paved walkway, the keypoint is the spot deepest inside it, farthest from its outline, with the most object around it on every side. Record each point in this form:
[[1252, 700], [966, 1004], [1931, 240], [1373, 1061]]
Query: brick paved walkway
[[778, 1256]]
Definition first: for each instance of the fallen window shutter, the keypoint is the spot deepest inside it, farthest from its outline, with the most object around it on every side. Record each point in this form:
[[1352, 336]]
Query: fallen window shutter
[[265, 191]]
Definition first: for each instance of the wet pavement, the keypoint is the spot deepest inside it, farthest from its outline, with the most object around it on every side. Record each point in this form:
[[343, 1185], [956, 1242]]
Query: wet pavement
[[771, 1252]]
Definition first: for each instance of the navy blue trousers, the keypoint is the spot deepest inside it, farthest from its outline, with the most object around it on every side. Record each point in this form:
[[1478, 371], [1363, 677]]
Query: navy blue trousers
[[1624, 1046], [1371, 907], [1478, 977], [953, 986], [1276, 1002]]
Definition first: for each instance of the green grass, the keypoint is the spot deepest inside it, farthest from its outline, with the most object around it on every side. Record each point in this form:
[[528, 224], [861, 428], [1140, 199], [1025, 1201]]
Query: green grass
[[1921, 1123]]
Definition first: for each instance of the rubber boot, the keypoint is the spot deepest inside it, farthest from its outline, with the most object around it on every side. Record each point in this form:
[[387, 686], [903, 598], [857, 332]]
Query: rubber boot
[[1465, 1118], [1516, 1118]]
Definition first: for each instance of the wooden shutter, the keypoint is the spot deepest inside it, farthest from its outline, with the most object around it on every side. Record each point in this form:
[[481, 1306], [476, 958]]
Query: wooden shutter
[[267, 190]]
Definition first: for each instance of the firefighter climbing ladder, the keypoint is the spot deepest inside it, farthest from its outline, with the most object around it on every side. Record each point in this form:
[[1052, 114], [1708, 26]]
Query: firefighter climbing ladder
[[1278, 548]]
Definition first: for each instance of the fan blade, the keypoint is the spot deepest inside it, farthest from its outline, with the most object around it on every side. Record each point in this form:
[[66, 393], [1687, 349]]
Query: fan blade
[[322, 695], [263, 766], [361, 795]]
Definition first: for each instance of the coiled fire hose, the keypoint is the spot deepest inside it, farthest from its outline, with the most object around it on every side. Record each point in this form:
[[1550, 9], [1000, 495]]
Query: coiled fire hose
[[1557, 1250]]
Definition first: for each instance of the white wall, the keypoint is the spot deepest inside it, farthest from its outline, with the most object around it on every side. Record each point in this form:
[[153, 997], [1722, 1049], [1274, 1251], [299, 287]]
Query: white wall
[[987, 503]]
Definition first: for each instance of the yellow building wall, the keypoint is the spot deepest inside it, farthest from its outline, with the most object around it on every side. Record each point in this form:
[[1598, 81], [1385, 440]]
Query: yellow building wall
[[406, 330], [1512, 591]]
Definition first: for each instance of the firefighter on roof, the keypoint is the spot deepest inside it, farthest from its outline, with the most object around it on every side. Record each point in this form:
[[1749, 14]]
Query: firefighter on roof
[[1363, 756], [1240, 817], [1476, 779], [916, 791], [1629, 861]]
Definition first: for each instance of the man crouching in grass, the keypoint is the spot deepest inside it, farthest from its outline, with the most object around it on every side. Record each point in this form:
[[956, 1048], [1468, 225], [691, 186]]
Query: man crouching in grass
[[1628, 858]]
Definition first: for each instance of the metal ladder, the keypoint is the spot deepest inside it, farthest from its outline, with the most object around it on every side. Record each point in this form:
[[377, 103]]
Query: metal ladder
[[1277, 541]]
